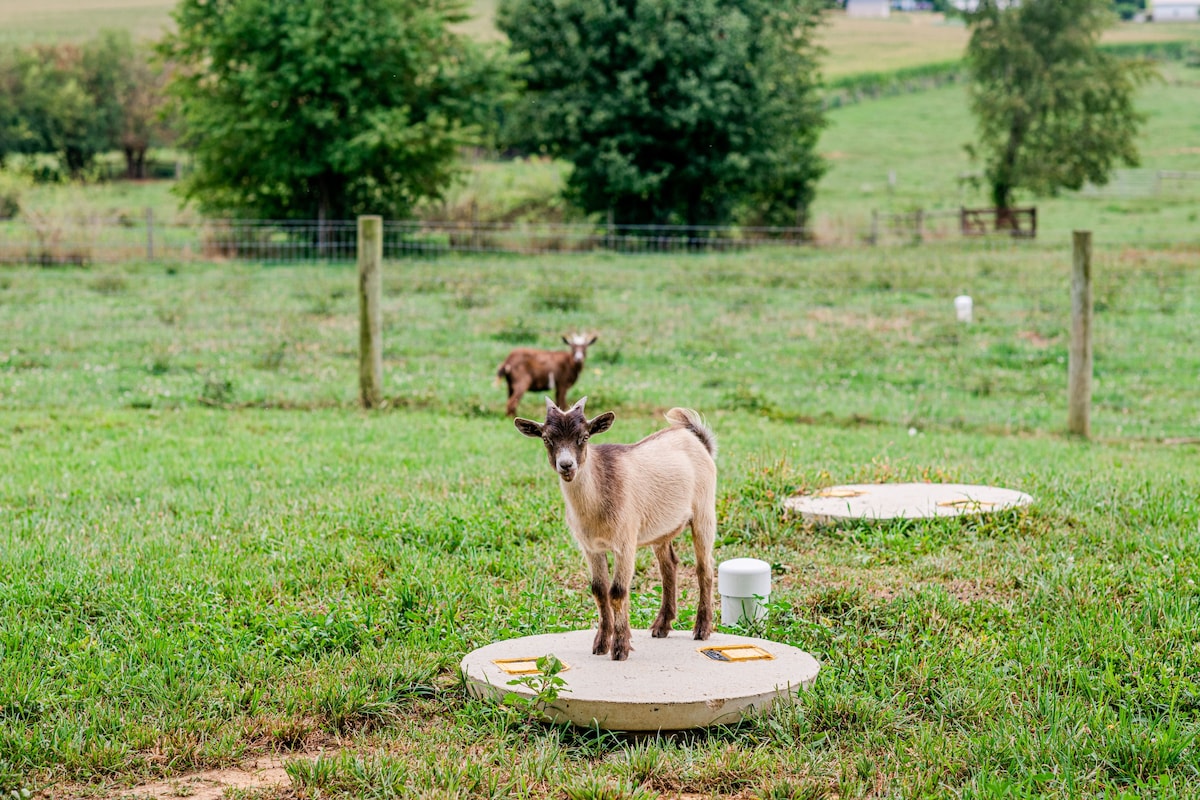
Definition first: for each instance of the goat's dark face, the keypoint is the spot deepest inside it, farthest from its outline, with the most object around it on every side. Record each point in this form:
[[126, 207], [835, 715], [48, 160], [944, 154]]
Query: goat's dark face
[[566, 434], [579, 343]]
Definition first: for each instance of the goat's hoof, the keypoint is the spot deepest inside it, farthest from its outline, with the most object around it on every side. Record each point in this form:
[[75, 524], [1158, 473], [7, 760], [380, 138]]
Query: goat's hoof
[[702, 633], [600, 645], [620, 653], [660, 631]]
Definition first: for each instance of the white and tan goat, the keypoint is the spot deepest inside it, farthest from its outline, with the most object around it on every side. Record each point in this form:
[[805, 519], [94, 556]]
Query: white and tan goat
[[544, 370], [623, 496]]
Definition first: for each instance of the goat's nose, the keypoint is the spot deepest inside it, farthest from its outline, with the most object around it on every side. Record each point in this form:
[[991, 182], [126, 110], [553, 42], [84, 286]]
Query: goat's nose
[[566, 463]]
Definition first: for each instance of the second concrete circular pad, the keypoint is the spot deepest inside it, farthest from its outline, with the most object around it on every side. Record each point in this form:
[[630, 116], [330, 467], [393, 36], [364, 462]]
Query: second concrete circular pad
[[886, 501]]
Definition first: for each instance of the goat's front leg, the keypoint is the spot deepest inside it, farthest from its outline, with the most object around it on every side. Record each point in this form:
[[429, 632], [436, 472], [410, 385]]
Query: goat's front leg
[[667, 563], [623, 564], [598, 564]]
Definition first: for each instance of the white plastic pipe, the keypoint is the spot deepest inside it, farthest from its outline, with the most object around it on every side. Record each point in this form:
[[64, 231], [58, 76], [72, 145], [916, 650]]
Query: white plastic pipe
[[962, 307], [745, 587]]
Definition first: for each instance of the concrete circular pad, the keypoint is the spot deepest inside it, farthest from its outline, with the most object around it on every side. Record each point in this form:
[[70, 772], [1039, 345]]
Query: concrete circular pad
[[886, 501], [666, 684]]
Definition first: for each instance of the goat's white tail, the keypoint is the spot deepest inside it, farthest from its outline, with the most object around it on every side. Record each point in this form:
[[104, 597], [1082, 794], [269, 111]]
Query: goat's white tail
[[687, 418]]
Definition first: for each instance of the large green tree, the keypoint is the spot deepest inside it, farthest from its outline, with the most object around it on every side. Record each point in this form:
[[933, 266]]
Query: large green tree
[[1054, 110], [302, 109], [673, 111], [47, 107]]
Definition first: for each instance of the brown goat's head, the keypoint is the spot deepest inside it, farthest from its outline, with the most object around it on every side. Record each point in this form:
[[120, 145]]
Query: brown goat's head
[[579, 343], [566, 434]]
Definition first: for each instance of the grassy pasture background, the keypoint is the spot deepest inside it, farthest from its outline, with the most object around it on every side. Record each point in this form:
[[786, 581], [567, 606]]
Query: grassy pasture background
[[209, 553]]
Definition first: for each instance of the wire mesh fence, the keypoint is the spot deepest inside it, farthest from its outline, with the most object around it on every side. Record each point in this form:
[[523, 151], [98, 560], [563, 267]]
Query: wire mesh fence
[[1129, 183], [45, 240], [63, 241], [98, 240]]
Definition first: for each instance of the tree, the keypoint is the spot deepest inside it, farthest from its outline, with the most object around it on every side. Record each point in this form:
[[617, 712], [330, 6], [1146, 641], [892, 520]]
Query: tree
[[47, 108], [1054, 111], [78, 100], [673, 111], [297, 109], [129, 92], [14, 130]]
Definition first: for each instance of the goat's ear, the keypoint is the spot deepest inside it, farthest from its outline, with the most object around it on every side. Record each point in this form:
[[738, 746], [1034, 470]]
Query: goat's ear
[[529, 427], [592, 341], [601, 423], [566, 341]]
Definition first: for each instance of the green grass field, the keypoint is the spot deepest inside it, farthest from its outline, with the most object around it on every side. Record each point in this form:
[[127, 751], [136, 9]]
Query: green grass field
[[859, 44], [209, 554]]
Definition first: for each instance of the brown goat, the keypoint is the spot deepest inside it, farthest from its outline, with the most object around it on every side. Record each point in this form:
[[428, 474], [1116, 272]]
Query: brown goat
[[620, 497], [544, 370]]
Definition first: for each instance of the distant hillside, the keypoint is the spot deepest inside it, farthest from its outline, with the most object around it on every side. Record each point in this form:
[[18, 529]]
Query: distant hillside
[[23, 22], [853, 45]]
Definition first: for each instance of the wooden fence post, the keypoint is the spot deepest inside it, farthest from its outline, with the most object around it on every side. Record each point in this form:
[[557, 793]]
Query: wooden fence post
[[370, 325], [1079, 358], [149, 233]]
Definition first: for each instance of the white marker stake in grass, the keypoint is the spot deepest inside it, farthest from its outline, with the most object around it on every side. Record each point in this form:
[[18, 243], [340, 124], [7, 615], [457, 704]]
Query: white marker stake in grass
[[963, 306]]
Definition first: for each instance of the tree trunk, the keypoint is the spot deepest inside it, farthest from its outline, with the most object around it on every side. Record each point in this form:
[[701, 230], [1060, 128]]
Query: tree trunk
[[1004, 177], [322, 213], [76, 160], [135, 162]]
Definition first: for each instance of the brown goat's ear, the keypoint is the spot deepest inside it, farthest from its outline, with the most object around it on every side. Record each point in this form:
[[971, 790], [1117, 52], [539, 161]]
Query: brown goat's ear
[[566, 341], [601, 423], [592, 341], [529, 427]]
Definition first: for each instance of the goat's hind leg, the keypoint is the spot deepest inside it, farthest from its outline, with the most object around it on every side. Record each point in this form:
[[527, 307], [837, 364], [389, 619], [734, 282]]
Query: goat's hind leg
[[516, 389], [667, 564], [704, 533], [598, 564]]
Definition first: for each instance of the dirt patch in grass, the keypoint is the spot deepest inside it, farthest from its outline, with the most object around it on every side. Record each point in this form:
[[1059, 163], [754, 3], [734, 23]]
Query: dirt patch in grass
[[824, 317], [257, 775], [265, 776], [1035, 339]]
